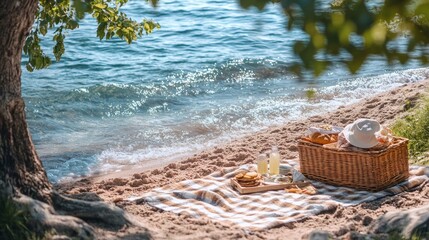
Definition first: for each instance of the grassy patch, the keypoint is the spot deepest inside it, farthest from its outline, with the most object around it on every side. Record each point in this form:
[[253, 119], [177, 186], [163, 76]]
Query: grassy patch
[[415, 127], [13, 221]]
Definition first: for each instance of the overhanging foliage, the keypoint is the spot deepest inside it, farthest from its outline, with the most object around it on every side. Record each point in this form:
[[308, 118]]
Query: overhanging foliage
[[351, 31], [64, 15]]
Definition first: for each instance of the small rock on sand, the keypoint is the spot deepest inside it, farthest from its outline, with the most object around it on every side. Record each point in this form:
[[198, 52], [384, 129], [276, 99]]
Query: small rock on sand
[[367, 220], [405, 223], [172, 166], [136, 183], [218, 150], [170, 174], [119, 181], [318, 235]]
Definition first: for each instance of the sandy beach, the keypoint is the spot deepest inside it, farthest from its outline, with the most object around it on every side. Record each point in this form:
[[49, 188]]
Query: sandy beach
[[343, 222]]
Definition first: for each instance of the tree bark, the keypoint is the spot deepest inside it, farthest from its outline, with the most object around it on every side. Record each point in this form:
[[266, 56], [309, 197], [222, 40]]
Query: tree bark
[[20, 168], [22, 176]]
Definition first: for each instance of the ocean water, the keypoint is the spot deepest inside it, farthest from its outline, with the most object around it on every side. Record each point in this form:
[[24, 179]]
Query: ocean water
[[212, 73]]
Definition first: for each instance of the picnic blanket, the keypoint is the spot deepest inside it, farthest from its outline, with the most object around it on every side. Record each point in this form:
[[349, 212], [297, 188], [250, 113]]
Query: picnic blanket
[[213, 197]]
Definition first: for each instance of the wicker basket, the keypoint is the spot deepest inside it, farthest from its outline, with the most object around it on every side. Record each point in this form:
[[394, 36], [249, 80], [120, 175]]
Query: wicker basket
[[366, 170]]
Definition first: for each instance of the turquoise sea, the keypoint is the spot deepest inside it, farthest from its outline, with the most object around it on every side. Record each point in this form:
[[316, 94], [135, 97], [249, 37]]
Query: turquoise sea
[[212, 73]]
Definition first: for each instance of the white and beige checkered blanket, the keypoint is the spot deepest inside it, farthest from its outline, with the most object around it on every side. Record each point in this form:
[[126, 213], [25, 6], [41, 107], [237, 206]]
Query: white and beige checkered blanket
[[214, 197]]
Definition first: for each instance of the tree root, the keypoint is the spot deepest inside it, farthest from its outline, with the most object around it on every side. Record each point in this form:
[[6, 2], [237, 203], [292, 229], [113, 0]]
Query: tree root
[[93, 210], [42, 218], [69, 214]]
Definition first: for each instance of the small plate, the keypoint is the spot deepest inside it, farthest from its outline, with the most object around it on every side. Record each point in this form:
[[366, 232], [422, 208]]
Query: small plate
[[279, 179]]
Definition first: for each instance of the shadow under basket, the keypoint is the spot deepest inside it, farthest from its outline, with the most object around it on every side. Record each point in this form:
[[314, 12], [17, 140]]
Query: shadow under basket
[[359, 169]]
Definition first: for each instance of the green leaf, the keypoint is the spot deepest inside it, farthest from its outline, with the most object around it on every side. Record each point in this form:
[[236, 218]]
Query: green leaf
[[109, 35], [119, 33], [356, 63], [319, 67], [403, 58], [101, 30], [72, 24], [154, 3], [58, 49], [27, 44], [100, 5], [46, 61], [43, 29], [29, 68], [81, 8], [38, 62], [260, 4]]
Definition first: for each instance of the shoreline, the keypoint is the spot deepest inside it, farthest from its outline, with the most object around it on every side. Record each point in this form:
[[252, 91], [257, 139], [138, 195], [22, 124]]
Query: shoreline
[[384, 107], [129, 171]]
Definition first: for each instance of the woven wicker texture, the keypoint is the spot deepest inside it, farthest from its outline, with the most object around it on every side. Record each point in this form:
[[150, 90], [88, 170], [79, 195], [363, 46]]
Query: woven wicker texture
[[360, 169]]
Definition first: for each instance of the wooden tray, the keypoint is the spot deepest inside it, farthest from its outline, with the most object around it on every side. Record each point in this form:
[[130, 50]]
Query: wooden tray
[[264, 186]]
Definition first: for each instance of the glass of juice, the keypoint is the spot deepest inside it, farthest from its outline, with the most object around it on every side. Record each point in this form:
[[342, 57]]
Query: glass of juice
[[274, 162], [262, 163]]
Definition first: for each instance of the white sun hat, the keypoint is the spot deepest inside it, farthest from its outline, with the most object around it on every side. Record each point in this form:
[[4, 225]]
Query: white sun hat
[[361, 133]]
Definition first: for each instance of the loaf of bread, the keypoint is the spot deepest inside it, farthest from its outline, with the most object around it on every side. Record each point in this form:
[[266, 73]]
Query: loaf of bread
[[323, 138]]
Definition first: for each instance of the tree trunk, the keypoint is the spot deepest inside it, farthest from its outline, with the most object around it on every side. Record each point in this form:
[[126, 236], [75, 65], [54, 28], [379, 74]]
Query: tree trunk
[[20, 168], [22, 176]]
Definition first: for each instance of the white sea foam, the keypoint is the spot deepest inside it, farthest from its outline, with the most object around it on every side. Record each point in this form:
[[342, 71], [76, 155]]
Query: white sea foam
[[231, 122]]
